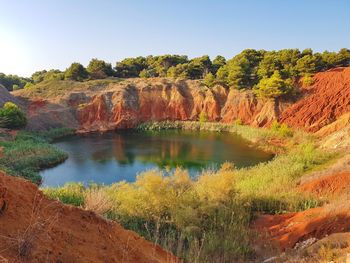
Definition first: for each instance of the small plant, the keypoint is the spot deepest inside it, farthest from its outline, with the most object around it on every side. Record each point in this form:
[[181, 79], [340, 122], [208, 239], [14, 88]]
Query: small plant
[[203, 117], [95, 199], [71, 193], [209, 80], [12, 116], [326, 253], [282, 129], [307, 80], [238, 121]]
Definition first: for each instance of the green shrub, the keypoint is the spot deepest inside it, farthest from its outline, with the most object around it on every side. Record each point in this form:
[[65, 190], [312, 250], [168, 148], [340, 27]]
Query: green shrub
[[203, 117], [12, 116], [209, 80], [238, 121], [72, 193], [307, 80], [282, 129]]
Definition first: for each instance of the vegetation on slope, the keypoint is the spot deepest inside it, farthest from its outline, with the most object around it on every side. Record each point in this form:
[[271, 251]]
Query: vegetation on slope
[[258, 69], [11, 116], [28, 153], [205, 219]]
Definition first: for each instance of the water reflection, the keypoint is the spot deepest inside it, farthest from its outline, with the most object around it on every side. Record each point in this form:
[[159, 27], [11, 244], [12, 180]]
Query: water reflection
[[110, 157]]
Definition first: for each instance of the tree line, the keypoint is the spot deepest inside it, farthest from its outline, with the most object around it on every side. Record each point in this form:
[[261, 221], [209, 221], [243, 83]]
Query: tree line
[[269, 73]]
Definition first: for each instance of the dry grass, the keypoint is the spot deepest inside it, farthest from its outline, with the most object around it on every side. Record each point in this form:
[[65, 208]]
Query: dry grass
[[24, 240], [96, 200]]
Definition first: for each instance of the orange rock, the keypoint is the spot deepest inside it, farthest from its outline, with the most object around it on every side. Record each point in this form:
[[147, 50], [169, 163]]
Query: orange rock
[[326, 100]]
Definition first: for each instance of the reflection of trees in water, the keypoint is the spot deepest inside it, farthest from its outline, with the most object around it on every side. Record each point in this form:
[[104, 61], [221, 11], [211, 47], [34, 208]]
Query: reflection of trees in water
[[120, 150], [164, 150], [187, 149]]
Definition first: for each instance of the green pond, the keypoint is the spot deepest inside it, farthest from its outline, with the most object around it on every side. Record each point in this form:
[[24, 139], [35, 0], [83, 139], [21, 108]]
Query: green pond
[[111, 157]]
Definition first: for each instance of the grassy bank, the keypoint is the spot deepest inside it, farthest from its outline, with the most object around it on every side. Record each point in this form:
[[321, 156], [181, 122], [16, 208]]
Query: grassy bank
[[28, 152], [206, 219], [274, 139]]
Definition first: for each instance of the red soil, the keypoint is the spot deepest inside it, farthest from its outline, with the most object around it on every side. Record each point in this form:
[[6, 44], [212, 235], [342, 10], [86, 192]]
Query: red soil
[[329, 185], [328, 99], [288, 229], [36, 105], [36, 229]]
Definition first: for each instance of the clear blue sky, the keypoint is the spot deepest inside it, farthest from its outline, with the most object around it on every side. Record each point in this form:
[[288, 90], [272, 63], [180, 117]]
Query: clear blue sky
[[45, 34]]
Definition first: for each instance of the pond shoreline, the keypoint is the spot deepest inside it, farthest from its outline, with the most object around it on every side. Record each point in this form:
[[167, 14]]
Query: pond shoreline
[[95, 157]]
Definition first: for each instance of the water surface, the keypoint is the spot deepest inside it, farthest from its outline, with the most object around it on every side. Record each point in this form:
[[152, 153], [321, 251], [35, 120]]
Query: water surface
[[111, 157]]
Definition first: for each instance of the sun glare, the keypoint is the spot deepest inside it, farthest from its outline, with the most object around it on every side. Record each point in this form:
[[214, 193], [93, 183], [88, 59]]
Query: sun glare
[[13, 54]]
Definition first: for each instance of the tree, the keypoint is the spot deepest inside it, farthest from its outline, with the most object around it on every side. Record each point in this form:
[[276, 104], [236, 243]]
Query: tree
[[344, 57], [76, 72], [308, 64], [161, 64], [242, 69], [222, 75], [209, 80], [43, 75], [9, 80], [180, 71], [273, 87], [130, 67], [148, 73], [99, 69], [38, 76], [218, 62], [199, 67], [268, 65], [12, 117], [237, 76]]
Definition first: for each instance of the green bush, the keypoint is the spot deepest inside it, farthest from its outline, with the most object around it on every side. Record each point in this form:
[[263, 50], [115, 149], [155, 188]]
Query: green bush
[[209, 80], [307, 80], [238, 121], [12, 116], [203, 117], [72, 193], [281, 129]]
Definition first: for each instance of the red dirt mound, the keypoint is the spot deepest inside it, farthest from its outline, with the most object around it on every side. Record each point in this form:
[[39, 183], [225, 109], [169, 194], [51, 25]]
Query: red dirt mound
[[329, 185], [328, 98], [34, 228], [288, 229]]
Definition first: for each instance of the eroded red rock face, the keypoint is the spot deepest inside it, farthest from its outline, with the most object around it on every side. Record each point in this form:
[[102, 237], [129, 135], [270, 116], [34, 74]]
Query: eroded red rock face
[[185, 100], [128, 103], [328, 98]]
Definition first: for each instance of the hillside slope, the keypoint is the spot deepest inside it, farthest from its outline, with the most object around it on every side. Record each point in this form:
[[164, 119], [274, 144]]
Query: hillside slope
[[110, 104], [36, 229], [325, 101]]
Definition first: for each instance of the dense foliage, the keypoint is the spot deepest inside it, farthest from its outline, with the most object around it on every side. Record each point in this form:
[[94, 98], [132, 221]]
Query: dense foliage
[[9, 81], [251, 69], [12, 116]]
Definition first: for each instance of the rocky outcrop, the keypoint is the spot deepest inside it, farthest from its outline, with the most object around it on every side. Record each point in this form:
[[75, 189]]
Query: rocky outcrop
[[115, 104], [182, 100], [325, 101], [127, 103]]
